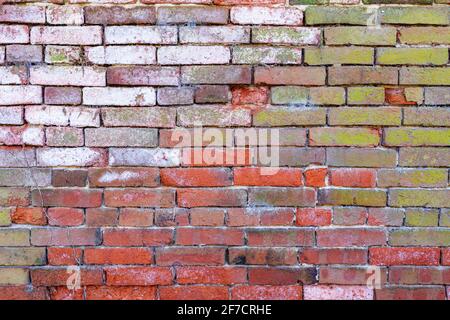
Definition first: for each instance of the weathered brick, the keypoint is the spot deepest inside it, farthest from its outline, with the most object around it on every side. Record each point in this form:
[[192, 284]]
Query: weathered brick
[[421, 217], [189, 198], [215, 34], [286, 35], [383, 116], [209, 115], [121, 55], [344, 137], [83, 157], [123, 177], [65, 237], [24, 53], [175, 96], [17, 95], [416, 137], [62, 95], [140, 35], [162, 198], [65, 217], [365, 95], [288, 116], [410, 293], [69, 76], [413, 15], [419, 198], [264, 15], [138, 276], [412, 178], [338, 55], [215, 75], [302, 197], [418, 157], [266, 55], [425, 56], [419, 237], [196, 177], [193, 55], [14, 237], [119, 15], [362, 75], [173, 255], [212, 94], [119, 96], [437, 96], [192, 15], [121, 137], [323, 292], [66, 15], [64, 137], [11, 115], [358, 197], [137, 237], [22, 256], [10, 197], [139, 117], [17, 157], [62, 55], [144, 157], [22, 14], [385, 217], [427, 117], [70, 35], [32, 216], [14, 34], [143, 76], [424, 35], [425, 76], [14, 276], [339, 15], [290, 75]]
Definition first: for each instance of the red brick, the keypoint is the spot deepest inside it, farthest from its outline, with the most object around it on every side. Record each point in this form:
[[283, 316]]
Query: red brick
[[313, 217], [408, 293], [121, 293], [69, 178], [59, 276], [190, 256], [163, 198], [247, 2], [280, 237], [65, 237], [123, 177], [293, 292], [289, 177], [211, 275], [419, 275], [118, 256], [404, 256], [209, 236], [275, 216], [238, 217], [282, 275], [171, 217], [196, 177], [62, 95], [67, 217], [34, 216], [349, 216], [446, 257], [134, 217], [316, 177], [137, 237], [189, 198], [364, 178], [396, 96], [64, 256], [23, 293], [194, 293], [348, 275], [213, 157], [262, 256], [63, 293], [102, 217], [347, 237], [140, 276], [333, 256], [211, 217], [250, 95], [67, 198]]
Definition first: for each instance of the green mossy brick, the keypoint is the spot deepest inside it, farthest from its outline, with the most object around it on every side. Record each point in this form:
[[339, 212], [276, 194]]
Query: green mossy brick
[[317, 2], [428, 198], [361, 157], [369, 36], [417, 137], [365, 95], [289, 95], [420, 237], [422, 217], [397, 1], [425, 76], [290, 116], [352, 197], [424, 35], [339, 55], [327, 96], [339, 15], [413, 15], [444, 219], [429, 116], [412, 178], [359, 137], [380, 116], [424, 157], [22, 256], [13, 276], [5, 217], [412, 56]]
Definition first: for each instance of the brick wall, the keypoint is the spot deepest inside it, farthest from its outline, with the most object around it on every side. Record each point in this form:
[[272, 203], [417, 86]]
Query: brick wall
[[123, 164]]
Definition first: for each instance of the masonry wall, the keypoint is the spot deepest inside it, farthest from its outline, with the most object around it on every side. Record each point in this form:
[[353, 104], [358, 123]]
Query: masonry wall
[[95, 97]]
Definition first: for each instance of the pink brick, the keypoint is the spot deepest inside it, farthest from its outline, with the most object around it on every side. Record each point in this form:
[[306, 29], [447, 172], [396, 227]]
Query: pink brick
[[320, 292], [67, 15], [14, 34], [23, 53], [16, 95], [22, 14], [13, 75], [71, 35], [80, 157], [266, 15], [140, 34], [121, 55], [215, 34], [140, 76], [193, 55], [68, 76], [62, 95], [26, 135]]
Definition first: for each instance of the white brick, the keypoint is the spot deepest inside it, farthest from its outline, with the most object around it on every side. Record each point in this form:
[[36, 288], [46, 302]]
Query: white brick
[[13, 75], [22, 136], [320, 292], [47, 115], [117, 96], [14, 157], [14, 34], [11, 115], [79, 157], [121, 55], [140, 34], [215, 34], [24, 14], [84, 117], [286, 35], [86, 35], [68, 15], [144, 157], [62, 54], [16, 95], [2, 54], [193, 55], [265, 15], [68, 76]]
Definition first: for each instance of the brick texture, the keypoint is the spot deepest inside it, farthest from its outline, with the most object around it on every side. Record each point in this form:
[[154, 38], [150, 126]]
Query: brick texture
[[225, 149]]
